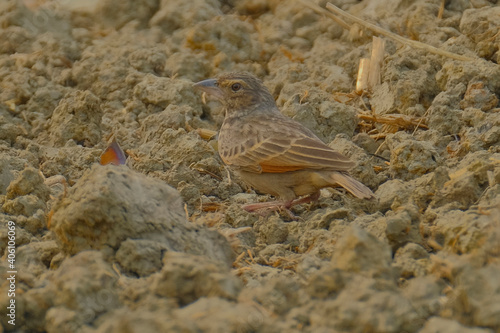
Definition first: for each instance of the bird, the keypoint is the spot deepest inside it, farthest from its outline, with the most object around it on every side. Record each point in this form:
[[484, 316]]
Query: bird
[[273, 153]]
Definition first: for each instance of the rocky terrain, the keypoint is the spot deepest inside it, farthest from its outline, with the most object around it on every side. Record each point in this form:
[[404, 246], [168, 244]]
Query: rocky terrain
[[161, 244]]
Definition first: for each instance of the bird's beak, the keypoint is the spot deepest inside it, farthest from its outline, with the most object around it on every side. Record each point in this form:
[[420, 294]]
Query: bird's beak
[[211, 87]]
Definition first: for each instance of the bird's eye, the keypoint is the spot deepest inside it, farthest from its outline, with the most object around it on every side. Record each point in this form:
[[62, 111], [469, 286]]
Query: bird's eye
[[235, 87]]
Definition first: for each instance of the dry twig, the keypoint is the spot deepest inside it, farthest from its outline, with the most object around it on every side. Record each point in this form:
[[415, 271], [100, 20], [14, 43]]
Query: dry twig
[[399, 120], [386, 33], [379, 30]]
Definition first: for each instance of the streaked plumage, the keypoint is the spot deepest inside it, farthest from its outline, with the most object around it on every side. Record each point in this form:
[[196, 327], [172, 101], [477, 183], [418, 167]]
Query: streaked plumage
[[273, 153]]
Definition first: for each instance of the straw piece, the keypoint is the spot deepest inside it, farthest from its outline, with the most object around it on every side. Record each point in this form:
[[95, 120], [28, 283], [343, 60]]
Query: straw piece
[[363, 72]]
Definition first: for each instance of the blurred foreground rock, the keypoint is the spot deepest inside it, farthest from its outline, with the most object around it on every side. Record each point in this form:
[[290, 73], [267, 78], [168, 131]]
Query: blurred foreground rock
[[110, 204]]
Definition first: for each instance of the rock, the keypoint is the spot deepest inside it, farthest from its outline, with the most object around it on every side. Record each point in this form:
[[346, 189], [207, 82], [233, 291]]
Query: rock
[[460, 74], [61, 319], [479, 25], [70, 161], [29, 181], [237, 217], [79, 291], [319, 242], [403, 93], [272, 253], [10, 129], [141, 256], [34, 258], [183, 63], [162, 91], [144, 320], [327, 282], [323, 218], [444, 112], [27, 196], [272, 230], [403, 226], [393, 193], [364, 303], [411, 261], [462, 232], [23, 237], [6, 176], [411, 158], [443, 325], [278, 295], [258, 274], [480, 289], [116, 14], [425, 295], [319, 112], [229, 37], [85, 283], [187, 278], [173, 15], [77, 117], [131, 205], [478, 96], [467, 182], [360, 252], [220, 315]]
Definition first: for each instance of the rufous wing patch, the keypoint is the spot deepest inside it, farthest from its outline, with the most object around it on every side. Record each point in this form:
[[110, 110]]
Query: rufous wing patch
[[278, 169]]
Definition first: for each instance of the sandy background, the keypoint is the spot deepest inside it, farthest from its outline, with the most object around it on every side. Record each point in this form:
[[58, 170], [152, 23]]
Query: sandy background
[[162, 245]]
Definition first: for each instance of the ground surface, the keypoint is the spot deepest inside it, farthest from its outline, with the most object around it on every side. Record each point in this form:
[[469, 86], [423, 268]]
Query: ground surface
[[142, 247]]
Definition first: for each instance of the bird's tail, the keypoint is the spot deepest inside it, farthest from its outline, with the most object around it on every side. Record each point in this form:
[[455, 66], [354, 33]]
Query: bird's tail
[[355, 187]]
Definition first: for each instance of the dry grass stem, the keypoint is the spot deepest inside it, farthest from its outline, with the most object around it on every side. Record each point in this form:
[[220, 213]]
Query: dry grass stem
[[212, 207], [398, 120], [206, 134], [386, 33]]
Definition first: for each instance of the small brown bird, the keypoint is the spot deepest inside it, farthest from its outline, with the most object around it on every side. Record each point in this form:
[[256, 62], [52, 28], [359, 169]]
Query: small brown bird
[[272, 153]]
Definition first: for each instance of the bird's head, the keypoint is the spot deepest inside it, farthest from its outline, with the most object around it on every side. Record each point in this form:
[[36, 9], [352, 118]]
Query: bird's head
[[238, 91]]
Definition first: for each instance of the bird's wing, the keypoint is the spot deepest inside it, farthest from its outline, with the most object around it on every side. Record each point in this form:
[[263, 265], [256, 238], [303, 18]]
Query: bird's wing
[[279, 145]]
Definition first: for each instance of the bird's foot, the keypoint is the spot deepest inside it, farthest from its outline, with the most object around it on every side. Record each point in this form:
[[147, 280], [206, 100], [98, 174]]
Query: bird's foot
[[269, 206], [306, 199], [264, 208]]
